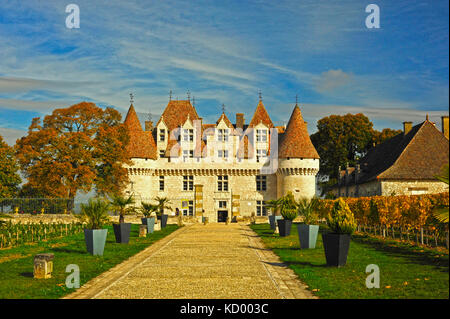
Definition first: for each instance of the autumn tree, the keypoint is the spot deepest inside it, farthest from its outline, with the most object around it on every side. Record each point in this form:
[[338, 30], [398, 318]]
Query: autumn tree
[[75, 149], [9, 177], [379, 137]]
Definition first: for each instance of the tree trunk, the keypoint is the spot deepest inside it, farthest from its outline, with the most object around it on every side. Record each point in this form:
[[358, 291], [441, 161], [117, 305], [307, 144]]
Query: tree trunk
[[421, 235], [121, 219]]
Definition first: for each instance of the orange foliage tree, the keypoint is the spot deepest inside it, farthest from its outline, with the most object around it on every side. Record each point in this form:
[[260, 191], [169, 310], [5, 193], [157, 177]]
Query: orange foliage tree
[[74, 149]]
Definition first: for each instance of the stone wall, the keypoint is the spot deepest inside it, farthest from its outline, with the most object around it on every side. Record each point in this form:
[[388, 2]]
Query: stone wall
[[412, 187]]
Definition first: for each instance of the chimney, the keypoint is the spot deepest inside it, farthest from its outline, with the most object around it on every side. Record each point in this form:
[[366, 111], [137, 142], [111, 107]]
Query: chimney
[[148, 125], [240, 120], [407, 126], [445, 125]]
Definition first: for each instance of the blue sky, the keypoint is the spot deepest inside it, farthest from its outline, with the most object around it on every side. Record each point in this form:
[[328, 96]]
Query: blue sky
[[225, 52]]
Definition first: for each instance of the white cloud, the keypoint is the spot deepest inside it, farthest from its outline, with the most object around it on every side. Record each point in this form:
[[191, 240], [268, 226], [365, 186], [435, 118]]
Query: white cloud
[[332, 80]]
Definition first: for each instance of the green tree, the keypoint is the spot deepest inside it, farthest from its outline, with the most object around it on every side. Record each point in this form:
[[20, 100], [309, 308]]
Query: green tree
[[147, 209], [95, 213], [163, 203], [121, 205], [342, 139], [9, 177]]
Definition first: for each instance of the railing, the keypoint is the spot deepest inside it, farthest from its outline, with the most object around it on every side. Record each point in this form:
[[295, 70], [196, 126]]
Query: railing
[[36, 206]]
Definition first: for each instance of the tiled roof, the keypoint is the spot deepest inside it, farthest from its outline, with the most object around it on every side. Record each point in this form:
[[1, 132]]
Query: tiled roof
[[261, 116], [226, 120], [280, 129], [418, 155], [295, 141], [176, 114], [141, 144]]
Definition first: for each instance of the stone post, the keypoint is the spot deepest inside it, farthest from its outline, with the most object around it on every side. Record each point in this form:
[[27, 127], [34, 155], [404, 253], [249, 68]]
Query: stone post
[[142, 230], [43, 266]]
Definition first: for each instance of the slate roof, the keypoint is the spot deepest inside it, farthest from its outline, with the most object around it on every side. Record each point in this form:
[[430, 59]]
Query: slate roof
[[418, 155], [295, 141], [141, 144]]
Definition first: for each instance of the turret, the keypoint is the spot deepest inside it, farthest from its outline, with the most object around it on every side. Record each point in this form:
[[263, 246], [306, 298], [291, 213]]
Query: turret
[[298, 162]]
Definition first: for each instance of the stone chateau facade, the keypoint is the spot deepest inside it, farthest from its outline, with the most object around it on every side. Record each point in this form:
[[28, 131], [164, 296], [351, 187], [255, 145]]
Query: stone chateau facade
[[222, 169]]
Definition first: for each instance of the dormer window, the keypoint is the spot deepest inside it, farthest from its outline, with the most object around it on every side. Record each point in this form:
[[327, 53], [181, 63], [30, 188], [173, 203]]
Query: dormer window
[[223, 154], [188, 135], [187, 154], [162, 135], [261, 135], [261, 155], [222, 135]]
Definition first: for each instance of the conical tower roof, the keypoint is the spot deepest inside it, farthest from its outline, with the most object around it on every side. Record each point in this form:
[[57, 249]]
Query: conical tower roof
[[295, 142], [261, 116], [141, 144], [132, 120]]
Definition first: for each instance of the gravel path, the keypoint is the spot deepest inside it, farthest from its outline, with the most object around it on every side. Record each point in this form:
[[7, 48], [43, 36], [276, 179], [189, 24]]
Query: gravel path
[[214, 261]]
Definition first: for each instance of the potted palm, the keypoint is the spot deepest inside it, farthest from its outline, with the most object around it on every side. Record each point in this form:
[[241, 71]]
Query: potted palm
[[336, 242], [147, 210], [163, 203], [95, 215], [122, 205], [273, 205], [307, 230], [288, 209]]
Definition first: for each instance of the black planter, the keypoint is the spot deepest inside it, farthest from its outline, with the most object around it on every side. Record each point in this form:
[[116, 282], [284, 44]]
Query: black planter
[[164, 218], [336, 248], [284, 227], [273, 221], [122, 232]]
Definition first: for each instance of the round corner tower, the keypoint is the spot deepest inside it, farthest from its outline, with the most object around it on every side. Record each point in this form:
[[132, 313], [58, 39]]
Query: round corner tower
[[298, 160]]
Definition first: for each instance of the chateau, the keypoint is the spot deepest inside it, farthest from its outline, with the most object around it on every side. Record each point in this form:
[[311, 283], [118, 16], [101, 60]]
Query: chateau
[[222, 169]]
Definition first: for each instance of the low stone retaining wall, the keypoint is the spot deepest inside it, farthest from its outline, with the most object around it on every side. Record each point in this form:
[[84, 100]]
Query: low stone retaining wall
[[134, 219]]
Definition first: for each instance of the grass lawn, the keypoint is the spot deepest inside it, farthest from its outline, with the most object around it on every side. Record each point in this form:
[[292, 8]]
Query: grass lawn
[[16, 264], [405, 271]]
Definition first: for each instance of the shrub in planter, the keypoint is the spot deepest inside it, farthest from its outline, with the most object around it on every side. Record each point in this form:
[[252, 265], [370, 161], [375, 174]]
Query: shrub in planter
[[285, 224], [336, 242], [122, 206], [163, 203], [288, 209], [148, 210], [95, 215], [308, 229]]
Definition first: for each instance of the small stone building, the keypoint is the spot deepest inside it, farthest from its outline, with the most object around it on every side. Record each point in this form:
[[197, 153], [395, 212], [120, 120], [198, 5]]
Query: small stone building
[[406, 164], [220, 169]]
